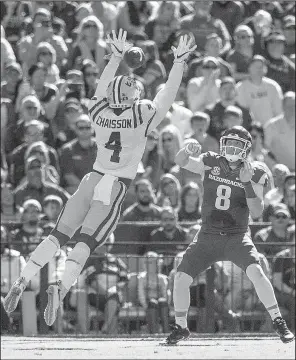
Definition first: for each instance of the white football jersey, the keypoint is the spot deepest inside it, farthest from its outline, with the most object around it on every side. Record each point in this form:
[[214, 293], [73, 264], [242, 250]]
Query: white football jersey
[[120, 136]]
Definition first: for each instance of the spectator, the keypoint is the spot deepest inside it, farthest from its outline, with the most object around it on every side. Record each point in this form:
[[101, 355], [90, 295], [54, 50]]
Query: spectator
[[204, 90], [169, 232], [227, 95], [280, 133], [240, 56], [162, 27], [230, 12], [261, 24], [170, 142], [52, 207], [13, 78], [42, 31], [9, 212], [151, 158], [8, 123], [278, 232], [28, 236], [213, 48], [169, 191], [289, 33], [89, 44], [284, 281], [192, 232], [233, 116], [33, 132], [152, 73], [103, 277], [65, 10], [144, 209], [90, 73], [12, 263], [106, 13], [40, 150], [258, 151], [77, 156], [179, 116], [279, 172], [190, 203], [81, 12], [200, 123], [4, 167], [35, 187], [289, 199], [133, 16], [46, 54], [201, 24], [280, 68], [7, 53], [153, 293], [258, 92]]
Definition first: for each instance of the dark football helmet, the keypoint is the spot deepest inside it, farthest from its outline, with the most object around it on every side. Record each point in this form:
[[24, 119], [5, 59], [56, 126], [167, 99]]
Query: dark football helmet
[[235, 144]]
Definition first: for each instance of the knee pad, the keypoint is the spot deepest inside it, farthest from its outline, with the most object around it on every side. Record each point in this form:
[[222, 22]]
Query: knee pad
[[80, 253], [152, 304]]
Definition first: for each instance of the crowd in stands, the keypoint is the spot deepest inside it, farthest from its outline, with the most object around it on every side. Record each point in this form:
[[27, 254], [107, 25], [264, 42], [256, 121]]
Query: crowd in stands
[[242, 73]]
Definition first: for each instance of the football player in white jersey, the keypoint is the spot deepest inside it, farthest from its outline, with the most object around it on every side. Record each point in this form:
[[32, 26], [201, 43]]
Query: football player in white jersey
[[122, 123]]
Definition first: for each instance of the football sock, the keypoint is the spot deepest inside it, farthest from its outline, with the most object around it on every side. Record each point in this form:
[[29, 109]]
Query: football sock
[[43, 253], [265, 293], [74, 265], [181, 297]]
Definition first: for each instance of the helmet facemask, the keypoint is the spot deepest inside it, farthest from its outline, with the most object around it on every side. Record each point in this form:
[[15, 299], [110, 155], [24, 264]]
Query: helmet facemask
[[234, 148]]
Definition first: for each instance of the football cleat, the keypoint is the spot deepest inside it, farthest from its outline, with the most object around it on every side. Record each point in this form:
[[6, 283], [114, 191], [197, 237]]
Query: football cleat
[[53, 304], [280, 326], [177, 335], [12, 298]]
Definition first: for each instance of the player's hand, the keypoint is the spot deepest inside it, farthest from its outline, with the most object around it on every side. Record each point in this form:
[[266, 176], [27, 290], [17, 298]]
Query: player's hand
[[246, 172], [193, 148], [184, 49], [118, 44]]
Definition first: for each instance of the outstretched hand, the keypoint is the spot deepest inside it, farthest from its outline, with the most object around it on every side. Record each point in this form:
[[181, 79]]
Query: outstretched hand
[[118, 44], [184, 48]]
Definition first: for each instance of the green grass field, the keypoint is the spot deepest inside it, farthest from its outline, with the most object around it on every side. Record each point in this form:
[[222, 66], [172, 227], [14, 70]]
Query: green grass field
[[204, 347]]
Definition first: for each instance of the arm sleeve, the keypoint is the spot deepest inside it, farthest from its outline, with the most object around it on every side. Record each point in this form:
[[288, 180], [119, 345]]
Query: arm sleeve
[[106, 77]]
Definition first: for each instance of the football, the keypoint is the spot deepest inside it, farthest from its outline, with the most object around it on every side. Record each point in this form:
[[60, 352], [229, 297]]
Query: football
[[134, 57]]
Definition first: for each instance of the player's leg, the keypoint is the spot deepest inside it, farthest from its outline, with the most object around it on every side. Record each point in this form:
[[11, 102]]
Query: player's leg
[[244, 254], [99, 222], [199, 255], [69, 220]]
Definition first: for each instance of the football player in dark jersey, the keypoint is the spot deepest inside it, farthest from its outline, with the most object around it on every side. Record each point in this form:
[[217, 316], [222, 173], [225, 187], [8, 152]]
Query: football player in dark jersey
[[233, 191]]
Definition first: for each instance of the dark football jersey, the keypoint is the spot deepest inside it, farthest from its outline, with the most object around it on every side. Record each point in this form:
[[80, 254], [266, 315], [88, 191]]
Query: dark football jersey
[[224, 205]]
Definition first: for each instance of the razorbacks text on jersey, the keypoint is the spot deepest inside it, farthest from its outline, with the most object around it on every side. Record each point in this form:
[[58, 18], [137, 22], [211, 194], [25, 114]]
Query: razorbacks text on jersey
[[224, 205], [121, 135]]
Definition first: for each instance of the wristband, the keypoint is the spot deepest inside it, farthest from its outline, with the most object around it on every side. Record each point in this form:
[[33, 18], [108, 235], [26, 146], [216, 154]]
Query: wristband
[[250, 193]]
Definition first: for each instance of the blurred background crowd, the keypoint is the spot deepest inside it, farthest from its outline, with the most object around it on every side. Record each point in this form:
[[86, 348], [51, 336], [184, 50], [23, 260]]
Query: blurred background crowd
[[242, 73]]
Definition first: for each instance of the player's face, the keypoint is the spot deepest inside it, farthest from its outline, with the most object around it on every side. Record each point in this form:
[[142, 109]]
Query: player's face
[[168, 221], [144, 194], [235, 146]]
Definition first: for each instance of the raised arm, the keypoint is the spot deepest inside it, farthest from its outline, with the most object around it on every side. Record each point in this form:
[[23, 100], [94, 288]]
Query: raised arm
[[189, 158], [165, 97], [119, 46]]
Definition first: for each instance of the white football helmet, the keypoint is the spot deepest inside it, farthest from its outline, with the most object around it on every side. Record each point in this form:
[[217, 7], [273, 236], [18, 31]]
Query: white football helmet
[[228, 148], [122, 92]]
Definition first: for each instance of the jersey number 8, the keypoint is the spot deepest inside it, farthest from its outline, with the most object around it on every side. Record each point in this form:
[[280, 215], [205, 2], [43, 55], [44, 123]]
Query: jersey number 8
[[114, 144], [223, 197]]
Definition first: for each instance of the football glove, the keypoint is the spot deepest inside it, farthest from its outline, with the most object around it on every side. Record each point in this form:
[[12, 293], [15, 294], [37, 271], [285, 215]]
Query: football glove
[[183, 50], [118, 44]]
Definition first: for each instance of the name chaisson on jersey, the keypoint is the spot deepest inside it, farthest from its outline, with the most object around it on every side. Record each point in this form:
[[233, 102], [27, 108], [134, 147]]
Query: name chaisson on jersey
[[114, 123]]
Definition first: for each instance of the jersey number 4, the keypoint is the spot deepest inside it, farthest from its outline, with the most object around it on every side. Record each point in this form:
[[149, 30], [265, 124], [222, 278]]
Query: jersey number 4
[[223, 197], [114, 144]]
